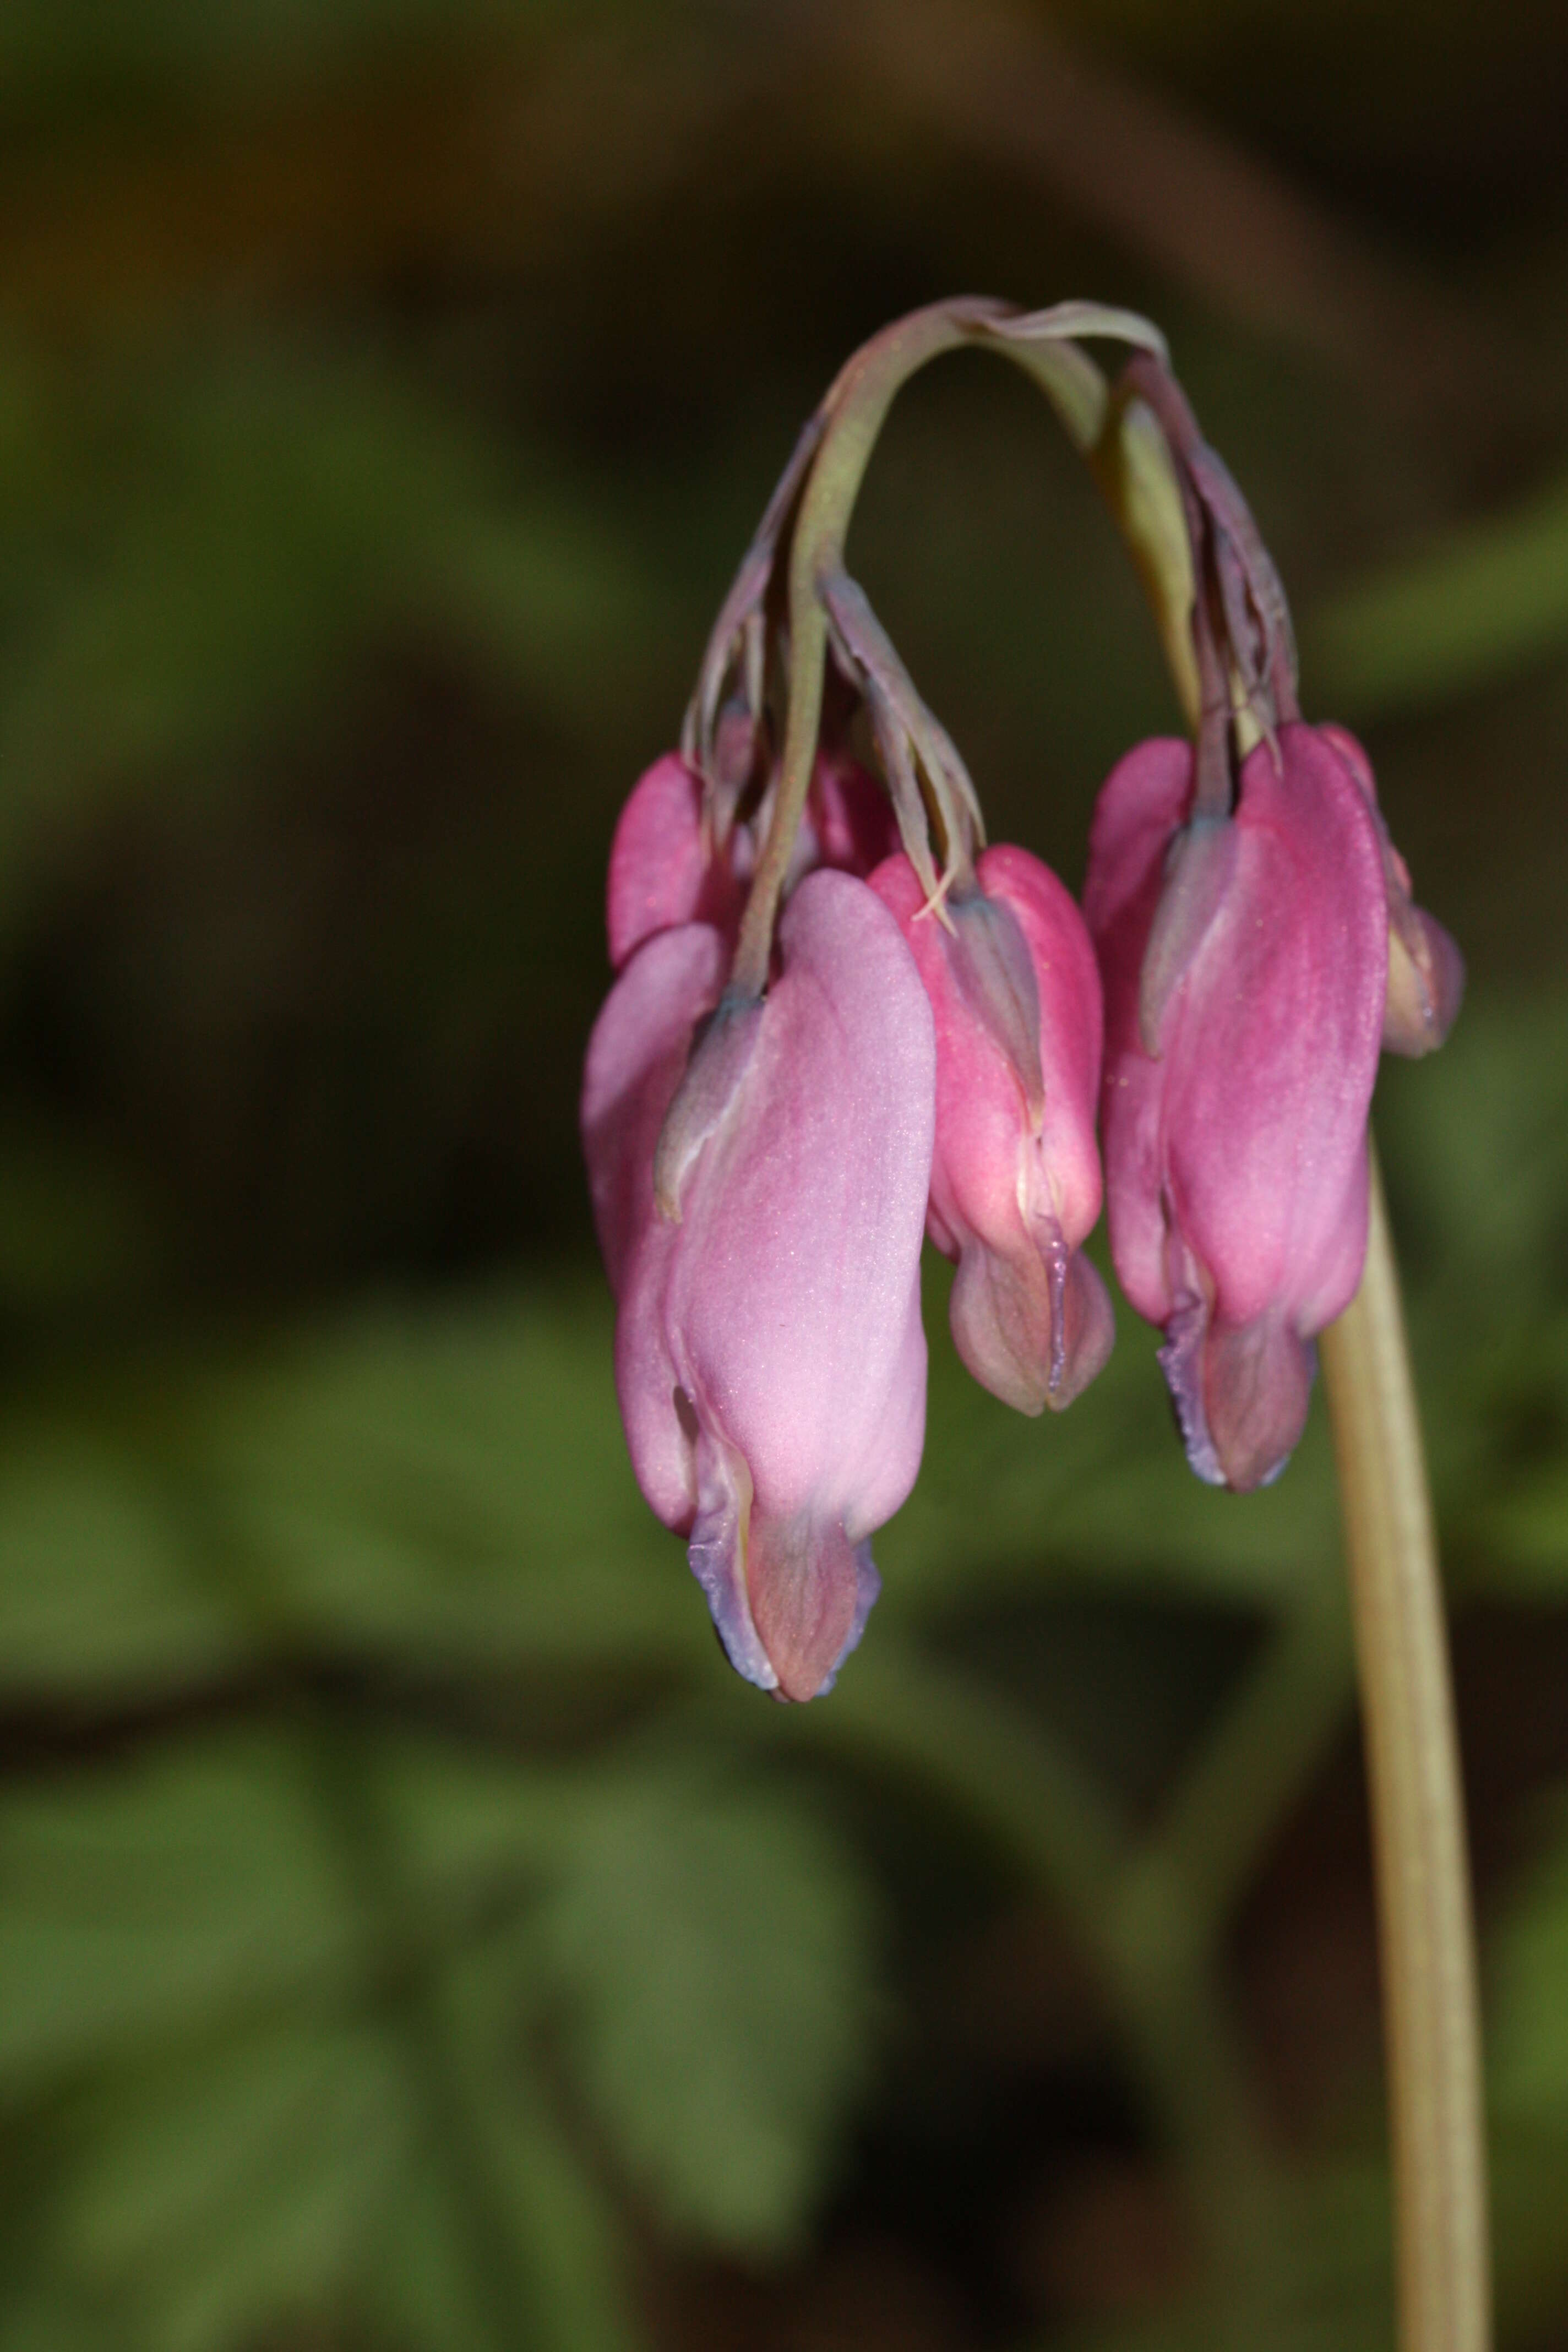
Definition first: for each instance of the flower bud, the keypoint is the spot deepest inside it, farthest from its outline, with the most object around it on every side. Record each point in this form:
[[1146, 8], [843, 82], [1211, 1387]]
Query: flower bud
[[1245, 960], [769, 1355], [1016, 1175]]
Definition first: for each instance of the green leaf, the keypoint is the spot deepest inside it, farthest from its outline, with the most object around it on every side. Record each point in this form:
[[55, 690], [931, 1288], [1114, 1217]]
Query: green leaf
[[713, 1946]]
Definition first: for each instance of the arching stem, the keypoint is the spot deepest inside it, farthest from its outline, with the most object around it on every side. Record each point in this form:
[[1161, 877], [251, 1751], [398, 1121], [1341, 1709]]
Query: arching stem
[[852, 416]]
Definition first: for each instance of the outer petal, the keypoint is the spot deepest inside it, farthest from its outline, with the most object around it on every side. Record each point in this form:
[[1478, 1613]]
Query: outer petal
[[1140, 806], [1016, 1175], [769, 1355]]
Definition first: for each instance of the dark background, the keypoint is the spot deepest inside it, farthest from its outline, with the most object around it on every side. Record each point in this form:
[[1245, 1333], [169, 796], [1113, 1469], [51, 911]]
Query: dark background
[[410, 1937]]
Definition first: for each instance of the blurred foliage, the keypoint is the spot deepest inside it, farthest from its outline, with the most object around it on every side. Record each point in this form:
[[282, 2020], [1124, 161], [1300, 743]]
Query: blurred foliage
[[428, 1882], [411, 1937]]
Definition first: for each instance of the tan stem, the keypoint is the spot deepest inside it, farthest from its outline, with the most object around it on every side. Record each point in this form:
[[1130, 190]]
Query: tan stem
[[1417, 1816]]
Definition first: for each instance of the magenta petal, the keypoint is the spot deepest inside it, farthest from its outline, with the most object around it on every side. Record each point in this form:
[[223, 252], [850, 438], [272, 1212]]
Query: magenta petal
[[850, 816], [663, 870]]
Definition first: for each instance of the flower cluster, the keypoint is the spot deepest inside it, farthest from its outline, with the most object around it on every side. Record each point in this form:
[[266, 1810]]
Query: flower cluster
[[842, 1023]]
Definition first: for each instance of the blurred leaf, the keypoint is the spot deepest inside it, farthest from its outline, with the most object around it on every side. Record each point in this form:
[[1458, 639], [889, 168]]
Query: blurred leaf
[[97, 1585], [188, 1887], [72, 1225], [453, 1483], [1529, 2034], [279, 1984], [246, 1977], [1483, 604], [238, 2181], [716, 1947], [169, 47]]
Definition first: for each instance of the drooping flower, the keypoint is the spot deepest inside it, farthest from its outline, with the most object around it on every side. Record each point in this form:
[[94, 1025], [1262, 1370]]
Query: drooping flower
[[1016, 1182], [769, 1355], [667, 867], [1245, 963]]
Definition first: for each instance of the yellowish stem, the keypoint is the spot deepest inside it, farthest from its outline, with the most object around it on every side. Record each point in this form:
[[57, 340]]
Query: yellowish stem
[[1418, 1829]]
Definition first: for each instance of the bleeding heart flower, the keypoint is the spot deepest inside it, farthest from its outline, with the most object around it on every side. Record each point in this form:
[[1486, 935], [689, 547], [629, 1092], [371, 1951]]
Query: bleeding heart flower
[[1245, 963], [769, 1355], [1015, 1181]]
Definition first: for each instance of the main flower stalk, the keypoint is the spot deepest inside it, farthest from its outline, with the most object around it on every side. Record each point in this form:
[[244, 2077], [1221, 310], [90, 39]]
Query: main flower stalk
[[1417, 1816]]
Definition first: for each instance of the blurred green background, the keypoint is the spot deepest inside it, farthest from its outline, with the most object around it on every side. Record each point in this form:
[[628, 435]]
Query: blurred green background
[[412, 1938]]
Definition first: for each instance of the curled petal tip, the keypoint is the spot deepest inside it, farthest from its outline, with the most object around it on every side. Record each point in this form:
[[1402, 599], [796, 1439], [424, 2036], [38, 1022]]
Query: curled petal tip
[[1240, 1392], [790, 1595], [811, 1590], [1033, 1326]]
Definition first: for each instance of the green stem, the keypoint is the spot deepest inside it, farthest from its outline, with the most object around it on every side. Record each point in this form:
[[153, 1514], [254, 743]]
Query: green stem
[[1417, 1815]]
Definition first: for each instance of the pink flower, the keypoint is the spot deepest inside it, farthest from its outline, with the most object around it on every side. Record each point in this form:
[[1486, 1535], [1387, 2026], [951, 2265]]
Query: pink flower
[[769, 1354], [1245, 963], [1015, 1181], [666, 867]]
